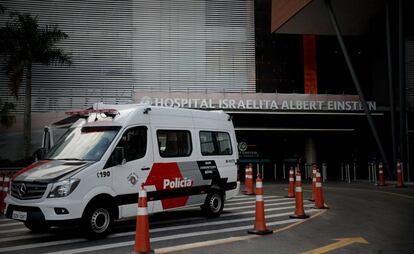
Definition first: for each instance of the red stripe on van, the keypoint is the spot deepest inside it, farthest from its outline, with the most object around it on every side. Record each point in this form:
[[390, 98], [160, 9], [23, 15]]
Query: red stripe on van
[[30, 167], [162, 173]]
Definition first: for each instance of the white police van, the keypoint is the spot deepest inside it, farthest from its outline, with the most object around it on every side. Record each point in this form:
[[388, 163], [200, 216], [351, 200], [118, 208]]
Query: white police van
[[93, 173]]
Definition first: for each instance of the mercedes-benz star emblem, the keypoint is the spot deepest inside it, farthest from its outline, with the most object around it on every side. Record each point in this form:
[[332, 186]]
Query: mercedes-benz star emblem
[[22, 189]]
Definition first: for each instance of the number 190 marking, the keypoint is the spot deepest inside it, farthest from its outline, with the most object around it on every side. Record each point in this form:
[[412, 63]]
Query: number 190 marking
[[101, 174]]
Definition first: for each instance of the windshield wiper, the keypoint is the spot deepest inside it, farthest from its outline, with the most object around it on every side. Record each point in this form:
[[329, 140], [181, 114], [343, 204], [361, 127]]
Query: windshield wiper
[[71, 159]]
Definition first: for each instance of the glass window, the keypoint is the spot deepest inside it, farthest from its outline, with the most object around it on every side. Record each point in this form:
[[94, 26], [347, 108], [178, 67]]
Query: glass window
[[87, 143], [134, 142], [224, 143], [174, 143], [215, 143], [207, 143]]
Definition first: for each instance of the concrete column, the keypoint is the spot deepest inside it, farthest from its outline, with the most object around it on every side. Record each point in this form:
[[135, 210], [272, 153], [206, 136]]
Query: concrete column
[[310, 151]]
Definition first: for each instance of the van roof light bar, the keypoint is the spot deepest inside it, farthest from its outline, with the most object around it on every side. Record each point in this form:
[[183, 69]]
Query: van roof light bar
[[87, 112]]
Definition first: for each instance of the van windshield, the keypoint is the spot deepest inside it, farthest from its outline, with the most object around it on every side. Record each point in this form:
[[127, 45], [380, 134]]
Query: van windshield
[[86, 143]]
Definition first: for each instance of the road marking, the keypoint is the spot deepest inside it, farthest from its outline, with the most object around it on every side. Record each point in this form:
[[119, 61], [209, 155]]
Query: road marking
[[204, 244], [7, 231], [341, 242], [43, 244], [221, 222], [227, 240], [4, 220], [300, 222], [250, 197], [252, 201], [231, 214], [164, 238], [23, 237], [253, 206], [10, 224], [223, 215]]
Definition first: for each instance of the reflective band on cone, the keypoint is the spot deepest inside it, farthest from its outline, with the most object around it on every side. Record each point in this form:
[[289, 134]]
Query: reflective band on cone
[[291, 192], [400, 181], [142, 211], [142, 240], [248, 181], [299, 210], [315, 170], [319, 201], [260, 224]]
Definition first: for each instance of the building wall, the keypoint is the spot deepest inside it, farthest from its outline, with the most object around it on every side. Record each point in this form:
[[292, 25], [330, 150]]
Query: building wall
[[119, 46]]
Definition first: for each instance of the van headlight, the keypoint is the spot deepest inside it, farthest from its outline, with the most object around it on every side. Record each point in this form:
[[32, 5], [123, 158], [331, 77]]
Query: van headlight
[[63, 188]]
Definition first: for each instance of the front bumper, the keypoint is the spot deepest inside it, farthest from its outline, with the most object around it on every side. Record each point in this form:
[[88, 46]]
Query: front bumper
[[44, 209]]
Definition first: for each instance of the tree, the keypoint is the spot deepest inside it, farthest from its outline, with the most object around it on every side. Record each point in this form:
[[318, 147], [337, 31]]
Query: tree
[[6, 119], [24, 43]]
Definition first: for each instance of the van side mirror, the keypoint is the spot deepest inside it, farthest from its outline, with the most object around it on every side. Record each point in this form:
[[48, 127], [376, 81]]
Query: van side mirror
[[40, 153], [118, 156]]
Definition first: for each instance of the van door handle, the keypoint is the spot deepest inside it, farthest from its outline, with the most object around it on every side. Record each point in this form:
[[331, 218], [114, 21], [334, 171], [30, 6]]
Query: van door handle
[[147, 168]]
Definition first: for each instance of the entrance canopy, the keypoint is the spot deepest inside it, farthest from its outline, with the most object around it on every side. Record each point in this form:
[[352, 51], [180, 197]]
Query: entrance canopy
[[311, 16]]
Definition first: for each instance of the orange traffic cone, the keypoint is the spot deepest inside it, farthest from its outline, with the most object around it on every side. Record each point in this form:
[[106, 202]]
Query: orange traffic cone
[[5, 190], [313, 182], [319, 201], [381, 175], [248, 182], [142, 242], [400, 181], [1, 193], [291, 191], [299, 210], [260, 225]]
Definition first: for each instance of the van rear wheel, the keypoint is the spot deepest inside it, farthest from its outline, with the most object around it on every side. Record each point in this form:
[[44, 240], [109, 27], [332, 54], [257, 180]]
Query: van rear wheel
[[214, 204], [97, 221]]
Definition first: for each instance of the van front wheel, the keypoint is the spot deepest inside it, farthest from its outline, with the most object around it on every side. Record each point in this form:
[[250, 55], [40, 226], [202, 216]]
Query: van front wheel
[[97, 221], [214, 204]]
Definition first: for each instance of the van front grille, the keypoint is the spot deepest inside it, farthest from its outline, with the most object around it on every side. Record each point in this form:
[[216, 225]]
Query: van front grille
[[28, 190]]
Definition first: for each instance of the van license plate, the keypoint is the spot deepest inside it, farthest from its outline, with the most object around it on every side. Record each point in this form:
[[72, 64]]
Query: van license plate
[[17, 215]]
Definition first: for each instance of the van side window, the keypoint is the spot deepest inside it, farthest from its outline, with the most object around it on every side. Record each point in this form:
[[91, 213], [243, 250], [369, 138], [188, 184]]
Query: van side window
[[134, 142], [174, 143], [215, 143]]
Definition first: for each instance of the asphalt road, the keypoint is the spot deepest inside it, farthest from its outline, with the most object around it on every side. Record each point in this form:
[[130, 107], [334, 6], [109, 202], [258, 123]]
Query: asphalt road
[[381, 216]]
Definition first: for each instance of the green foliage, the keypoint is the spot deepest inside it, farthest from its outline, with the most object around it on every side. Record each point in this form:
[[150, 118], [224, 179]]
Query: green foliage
[[6, 118], [24, 42]]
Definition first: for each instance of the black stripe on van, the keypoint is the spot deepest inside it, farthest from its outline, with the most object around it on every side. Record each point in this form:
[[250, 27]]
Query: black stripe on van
[[127, 199]]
